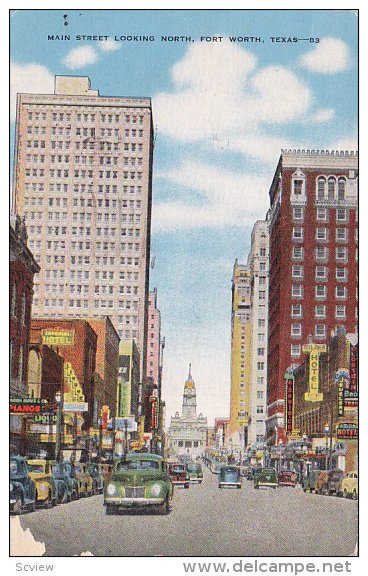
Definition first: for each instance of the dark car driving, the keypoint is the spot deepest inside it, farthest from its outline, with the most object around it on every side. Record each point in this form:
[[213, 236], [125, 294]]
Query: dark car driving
[[22, 489]]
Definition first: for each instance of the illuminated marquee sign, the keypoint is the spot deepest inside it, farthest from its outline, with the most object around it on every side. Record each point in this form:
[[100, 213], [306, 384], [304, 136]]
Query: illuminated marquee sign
[[58, 337], [314, 350], [350, 400], [347, 431], [154, 412], [340, 397], [353, 368], [289, 405], [28, 405]]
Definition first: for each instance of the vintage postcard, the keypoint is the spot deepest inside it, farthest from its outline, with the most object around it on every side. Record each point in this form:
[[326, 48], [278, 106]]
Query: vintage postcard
[[184, 343]]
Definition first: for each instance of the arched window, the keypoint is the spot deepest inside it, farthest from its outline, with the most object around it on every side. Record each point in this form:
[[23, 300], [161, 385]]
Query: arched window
[[341, 186], [321, 188], [331, 188]]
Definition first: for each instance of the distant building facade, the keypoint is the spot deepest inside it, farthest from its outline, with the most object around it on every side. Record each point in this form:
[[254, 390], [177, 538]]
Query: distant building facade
[[187, 434], [259, 273], [241, 339]]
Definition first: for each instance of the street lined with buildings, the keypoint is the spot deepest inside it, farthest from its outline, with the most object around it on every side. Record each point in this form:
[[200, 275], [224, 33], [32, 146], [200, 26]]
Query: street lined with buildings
[[204, 521], [87, 405]]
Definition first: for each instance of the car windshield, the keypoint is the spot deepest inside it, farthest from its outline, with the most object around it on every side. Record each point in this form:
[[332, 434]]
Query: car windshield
[[137, 465], [79, 469], [228, 471], [178, 468], [15, 469], [56, 470], [193, 467], [67, 468], [37, 468]]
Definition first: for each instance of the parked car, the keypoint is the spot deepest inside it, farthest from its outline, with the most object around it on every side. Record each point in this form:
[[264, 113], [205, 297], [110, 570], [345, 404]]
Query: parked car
[[194, 471], [244, 468], [22, 488], [85, 481], [178, 475], [320, 480], [229, 476], [41, 473], [138, 481], [67, 471], [96, 472], [287, 478], [348, 487], [309, 481], [61, 482], [265, 477], [216, 467], [328, 483]]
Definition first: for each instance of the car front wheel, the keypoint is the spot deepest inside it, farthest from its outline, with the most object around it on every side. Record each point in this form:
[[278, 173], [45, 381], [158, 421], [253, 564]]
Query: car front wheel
[[164, 508], [109, 510], [17, 508]]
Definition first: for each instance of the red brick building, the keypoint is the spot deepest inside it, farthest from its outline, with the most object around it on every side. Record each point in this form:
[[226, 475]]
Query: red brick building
[[153, 339], [76, 342], [45, 370], [23, 266], [107, 364], [313, 262]]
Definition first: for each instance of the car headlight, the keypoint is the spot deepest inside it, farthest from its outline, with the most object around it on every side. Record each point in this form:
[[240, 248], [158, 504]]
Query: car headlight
[[11, 486], [155, 489], [111, 489], [43, 487]]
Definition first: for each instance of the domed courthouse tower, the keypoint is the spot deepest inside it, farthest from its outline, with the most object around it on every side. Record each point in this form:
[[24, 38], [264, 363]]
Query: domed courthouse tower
[[187, 433]]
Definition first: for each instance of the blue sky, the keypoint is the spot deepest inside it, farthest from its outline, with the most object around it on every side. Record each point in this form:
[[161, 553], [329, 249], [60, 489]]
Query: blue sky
[[222, 112]]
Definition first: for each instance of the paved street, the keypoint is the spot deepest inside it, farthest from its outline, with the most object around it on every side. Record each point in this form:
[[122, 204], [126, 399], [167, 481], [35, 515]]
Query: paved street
[[205, 521]]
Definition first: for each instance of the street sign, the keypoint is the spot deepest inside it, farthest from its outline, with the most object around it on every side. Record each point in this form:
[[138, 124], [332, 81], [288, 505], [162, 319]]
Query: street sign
[[129, 424], [75, 407], [42, 428]]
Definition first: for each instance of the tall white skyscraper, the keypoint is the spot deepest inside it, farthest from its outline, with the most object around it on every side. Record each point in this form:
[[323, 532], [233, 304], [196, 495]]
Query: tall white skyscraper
[[83, 180]]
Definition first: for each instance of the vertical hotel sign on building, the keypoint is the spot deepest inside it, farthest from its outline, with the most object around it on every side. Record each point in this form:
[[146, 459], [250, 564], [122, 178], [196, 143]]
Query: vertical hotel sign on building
[[314, 350], [289, 403]]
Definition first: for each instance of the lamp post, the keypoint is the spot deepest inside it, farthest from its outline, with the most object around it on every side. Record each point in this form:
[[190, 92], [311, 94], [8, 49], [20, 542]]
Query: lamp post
[[280, 444], [327, 432], [59, 415]]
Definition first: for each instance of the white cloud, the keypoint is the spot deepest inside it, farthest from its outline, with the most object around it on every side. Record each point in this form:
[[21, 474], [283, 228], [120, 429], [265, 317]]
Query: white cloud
[[80, 57], [218, 90], [322, 115], [109, 45], [330, 56], [226, 198], [349, 143], [29, 78]]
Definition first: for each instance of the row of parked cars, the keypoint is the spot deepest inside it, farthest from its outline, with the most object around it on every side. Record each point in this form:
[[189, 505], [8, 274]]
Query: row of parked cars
[[332, 482], [35, 483]]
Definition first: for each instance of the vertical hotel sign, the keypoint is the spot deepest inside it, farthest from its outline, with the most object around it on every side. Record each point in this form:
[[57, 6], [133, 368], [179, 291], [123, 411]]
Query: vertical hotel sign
[[314, 350], [353, 385], [289, 403]]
